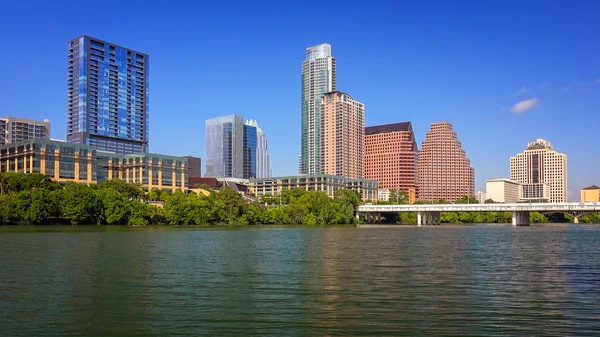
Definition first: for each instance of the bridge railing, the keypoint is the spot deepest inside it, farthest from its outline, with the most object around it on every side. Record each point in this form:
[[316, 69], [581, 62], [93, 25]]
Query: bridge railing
[[541, 207]]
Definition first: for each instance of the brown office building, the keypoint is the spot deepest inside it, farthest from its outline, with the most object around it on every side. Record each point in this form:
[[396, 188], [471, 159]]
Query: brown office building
[[343, 127], [443, 171], [194, 166], [390, 157]]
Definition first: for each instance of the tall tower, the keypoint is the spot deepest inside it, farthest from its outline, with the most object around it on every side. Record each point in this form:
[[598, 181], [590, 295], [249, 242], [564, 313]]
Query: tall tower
[[542, 172], [318, 78], [250, 149], [444, 172], [107, 96], [263, 159], [343, 129], [391, 157]]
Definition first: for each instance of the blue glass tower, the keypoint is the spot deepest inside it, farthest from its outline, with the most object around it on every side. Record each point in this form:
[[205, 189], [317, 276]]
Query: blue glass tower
[[107, 96], [250, 146]]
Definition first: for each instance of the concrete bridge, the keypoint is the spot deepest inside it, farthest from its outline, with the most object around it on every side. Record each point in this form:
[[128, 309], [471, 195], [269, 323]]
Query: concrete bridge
[[429, 214]]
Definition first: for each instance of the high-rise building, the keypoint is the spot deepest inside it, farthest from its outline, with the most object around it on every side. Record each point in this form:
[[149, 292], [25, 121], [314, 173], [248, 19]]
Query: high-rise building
[[263, 159], [503, 190], [541, 171], [194, 165], [443, 171], [13, 129], [225, 147], [250, 143], [390, 156], [343, 128], [318, 78], [107, 96], [481, 197]]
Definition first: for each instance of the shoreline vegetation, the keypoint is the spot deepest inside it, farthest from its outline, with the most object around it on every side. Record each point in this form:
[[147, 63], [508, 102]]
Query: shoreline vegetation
[[35, 199]]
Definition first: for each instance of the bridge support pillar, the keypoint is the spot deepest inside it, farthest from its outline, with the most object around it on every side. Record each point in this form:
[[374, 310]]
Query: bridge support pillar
[[428, 218], [576, 219], [520, 218]]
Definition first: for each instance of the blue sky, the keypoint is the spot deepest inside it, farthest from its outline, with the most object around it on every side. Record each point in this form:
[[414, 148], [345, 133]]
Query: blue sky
[[468, 63]]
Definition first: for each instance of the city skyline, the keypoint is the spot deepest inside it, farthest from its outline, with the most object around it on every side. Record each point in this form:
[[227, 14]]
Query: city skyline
[[497, 99]]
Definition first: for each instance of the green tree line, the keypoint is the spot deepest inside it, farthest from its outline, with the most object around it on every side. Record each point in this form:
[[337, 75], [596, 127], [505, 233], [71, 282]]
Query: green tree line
[[35, 199]]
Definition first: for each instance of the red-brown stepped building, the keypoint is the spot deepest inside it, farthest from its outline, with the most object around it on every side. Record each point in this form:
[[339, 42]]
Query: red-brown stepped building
[[443, 171], [390, 157]]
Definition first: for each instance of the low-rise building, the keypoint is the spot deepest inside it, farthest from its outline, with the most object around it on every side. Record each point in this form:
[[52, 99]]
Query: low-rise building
[[481, 197], [323, 182], [590, 194], [84, 164], [503, 190], [383, 194]]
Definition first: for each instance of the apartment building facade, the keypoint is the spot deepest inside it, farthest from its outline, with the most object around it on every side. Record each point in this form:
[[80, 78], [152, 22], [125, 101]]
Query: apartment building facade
[[343, 124], [318, 77], [15, 129], [107, 96], [443, 171], [390, 156]]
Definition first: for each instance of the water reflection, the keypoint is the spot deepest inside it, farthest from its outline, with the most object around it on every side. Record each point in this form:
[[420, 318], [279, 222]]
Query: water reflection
[[470, 280]]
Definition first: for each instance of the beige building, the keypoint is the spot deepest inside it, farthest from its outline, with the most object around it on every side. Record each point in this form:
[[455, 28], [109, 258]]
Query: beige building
[[343, 123], [481, 197], [590, 194], [84, 164], [443, 171], [503, 190], [13, 129], [541, 171]]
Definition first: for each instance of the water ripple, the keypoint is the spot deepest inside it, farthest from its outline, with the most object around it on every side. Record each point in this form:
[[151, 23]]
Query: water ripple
[[471, 280]]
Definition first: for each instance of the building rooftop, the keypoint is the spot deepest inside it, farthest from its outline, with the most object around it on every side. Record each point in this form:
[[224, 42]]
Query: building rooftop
[[593, 187], [502, 179], [539, 144], [396, 127]]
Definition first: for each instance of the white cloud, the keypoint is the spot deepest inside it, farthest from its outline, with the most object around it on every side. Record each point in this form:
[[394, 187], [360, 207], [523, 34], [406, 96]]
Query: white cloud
[[522, 90], [598, 80], [525, 105]]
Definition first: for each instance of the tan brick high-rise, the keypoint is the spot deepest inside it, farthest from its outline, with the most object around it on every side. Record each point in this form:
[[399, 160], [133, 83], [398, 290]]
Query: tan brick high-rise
[[343, 127], [390, 156], [541, 171], [444, 172]]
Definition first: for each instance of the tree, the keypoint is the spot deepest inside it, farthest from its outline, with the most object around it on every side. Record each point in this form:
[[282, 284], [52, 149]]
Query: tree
[[348, 197], [129, 190], [398, 197], [289, 194], [116, 206], [79, 204], [269, 199], [467, 200], [489, 201], [153, 195]]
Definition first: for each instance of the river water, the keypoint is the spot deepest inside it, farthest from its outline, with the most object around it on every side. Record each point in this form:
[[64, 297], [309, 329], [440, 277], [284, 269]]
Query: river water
[[444, 280]]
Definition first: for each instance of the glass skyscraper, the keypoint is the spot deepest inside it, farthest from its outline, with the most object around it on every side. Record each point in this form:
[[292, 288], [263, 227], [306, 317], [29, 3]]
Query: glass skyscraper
[[225, 147], [263, 159], [318, 78], [107, 96], [250, 142]]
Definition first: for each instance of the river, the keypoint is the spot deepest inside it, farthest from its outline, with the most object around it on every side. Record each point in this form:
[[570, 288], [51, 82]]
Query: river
[[272, 281]]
